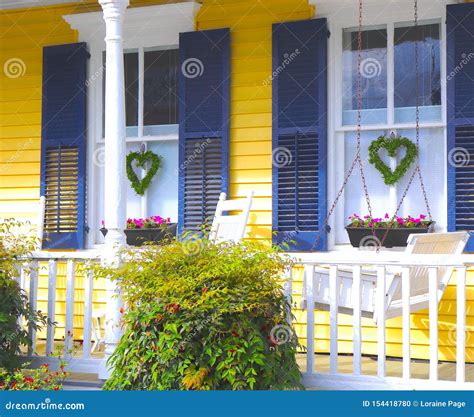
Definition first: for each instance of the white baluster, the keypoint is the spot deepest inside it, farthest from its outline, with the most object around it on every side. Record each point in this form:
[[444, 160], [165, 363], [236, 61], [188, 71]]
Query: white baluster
[[461, 325], [406, 322], [33, 299], [69, 330], [288, 290], [356, 306], [52, 278], [333, 312], [380, 306], [433, 315], [309, 272], [88, 303]]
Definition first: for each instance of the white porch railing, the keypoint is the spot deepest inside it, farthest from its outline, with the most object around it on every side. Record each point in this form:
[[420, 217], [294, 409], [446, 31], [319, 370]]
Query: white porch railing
[[46, 265], [381, 263]]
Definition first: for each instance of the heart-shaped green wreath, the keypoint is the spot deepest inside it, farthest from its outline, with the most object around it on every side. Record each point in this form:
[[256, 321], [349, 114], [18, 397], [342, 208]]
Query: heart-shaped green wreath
[[391, 145], [142, 158]]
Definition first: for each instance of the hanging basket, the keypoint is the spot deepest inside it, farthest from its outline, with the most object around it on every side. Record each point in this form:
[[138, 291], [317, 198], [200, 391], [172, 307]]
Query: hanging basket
[[365, 237], [138, 237]]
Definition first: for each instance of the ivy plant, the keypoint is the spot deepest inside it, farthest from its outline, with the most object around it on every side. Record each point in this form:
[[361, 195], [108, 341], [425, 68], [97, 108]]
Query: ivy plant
[[142, 158], [392, 145]]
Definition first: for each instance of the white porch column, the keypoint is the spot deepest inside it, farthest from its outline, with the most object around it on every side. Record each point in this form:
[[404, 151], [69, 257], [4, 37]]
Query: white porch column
[[115, 150]]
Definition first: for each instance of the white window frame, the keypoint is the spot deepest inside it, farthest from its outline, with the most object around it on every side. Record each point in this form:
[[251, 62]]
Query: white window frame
[[149, 27], [340, 16]]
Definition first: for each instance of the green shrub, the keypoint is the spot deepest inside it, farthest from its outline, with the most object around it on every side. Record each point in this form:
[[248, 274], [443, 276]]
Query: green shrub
[[14, 305], [202, 316]]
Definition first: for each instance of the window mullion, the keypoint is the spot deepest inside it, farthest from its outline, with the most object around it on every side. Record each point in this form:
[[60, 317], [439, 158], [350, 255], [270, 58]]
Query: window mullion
[[390, 74], [141, 76]]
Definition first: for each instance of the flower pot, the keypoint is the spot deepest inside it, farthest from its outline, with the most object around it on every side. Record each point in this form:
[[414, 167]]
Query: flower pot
[[137, 237], [364, 237]]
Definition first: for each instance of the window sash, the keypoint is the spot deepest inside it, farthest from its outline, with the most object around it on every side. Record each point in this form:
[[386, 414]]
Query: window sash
[[390, 109], [162, 132]]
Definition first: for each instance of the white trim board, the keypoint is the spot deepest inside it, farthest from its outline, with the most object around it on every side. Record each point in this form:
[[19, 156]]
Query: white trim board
[[148, 26], [21, 4]]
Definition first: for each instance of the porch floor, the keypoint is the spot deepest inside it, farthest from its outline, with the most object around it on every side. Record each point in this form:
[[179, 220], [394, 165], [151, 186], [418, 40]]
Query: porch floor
[[419, 369]]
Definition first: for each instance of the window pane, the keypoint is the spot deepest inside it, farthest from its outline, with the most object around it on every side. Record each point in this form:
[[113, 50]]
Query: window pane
[[427, 37], [160, 91], [131, 93], [374, 76]]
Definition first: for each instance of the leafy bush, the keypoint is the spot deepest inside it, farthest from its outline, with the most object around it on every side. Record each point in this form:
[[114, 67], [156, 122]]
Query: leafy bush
[[15, 243], [202, 316]]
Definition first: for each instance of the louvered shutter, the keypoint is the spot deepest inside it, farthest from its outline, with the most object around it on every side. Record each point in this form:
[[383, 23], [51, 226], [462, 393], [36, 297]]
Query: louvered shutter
[[460, 106], [203, 125], [300, 134], [63, 145]]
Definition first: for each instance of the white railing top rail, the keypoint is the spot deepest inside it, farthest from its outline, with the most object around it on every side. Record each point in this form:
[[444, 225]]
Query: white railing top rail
[[85, 255], [364, 258]]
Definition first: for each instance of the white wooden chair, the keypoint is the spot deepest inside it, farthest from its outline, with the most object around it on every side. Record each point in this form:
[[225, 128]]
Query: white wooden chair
[[230, 227], [427, 244], [40, 220], [98, 327]]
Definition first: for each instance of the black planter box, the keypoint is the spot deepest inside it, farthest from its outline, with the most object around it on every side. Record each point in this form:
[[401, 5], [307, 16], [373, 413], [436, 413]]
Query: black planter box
[[138, 237], [360, 236]]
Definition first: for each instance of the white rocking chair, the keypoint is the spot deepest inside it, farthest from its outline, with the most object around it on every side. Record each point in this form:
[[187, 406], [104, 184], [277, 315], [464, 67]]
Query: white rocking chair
[[427, 244], [230, 227]]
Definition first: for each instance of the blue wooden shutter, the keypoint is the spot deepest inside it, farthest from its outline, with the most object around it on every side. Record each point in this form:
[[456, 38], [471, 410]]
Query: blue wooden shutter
[[204, 83], [63, 145], [460, 107], [300, 134]]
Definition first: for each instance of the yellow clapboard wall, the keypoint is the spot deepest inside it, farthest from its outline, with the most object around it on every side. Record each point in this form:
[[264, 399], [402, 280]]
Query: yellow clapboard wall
[[251, 169]]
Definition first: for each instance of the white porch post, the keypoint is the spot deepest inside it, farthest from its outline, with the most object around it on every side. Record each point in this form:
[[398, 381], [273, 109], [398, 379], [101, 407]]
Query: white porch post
[[115, 150]]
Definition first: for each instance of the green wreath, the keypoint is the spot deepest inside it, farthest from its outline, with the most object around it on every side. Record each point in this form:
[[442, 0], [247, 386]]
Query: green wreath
[[391, 144], [142, 158]]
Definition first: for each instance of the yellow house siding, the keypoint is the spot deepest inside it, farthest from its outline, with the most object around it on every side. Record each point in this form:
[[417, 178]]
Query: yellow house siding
[[251, 93], [23, 34]]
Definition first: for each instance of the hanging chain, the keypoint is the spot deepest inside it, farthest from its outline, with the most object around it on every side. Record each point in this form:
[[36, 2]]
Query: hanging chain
[[359, 112], [417, 170], [418, 167], [357, 160]]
